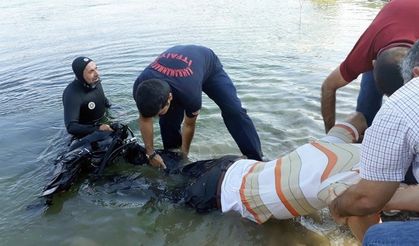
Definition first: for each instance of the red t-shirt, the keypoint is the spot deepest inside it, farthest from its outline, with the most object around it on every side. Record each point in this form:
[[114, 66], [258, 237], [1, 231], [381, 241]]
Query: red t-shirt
[[397, 22]]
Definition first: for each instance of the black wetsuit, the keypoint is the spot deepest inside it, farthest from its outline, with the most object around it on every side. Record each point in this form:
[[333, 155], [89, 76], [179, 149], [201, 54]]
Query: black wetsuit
[[84, 108]]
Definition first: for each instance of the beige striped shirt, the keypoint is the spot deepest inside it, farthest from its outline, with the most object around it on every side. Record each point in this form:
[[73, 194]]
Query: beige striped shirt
[[295, 184]]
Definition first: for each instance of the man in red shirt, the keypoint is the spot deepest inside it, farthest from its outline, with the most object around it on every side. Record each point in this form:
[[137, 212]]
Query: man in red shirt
[[376, 56]]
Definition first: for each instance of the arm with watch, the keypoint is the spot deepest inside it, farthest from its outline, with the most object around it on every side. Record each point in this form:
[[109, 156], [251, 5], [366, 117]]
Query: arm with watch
[[146, 129]]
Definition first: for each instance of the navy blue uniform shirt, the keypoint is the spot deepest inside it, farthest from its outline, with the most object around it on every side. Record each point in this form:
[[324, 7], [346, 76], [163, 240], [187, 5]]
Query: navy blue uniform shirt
[[185, 68]]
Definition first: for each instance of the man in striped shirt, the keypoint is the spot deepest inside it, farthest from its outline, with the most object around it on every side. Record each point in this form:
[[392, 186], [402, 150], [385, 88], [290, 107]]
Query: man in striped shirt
[[293, 185], [297, 183]]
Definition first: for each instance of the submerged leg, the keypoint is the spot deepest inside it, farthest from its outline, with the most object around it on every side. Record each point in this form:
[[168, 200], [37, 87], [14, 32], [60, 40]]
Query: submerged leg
[[221, 90]]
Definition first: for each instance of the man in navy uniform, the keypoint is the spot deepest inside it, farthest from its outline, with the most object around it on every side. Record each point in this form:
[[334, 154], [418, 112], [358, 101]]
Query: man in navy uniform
[[171, 87]]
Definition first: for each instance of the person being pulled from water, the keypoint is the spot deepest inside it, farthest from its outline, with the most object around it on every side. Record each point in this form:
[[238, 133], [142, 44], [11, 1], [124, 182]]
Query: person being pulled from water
[[171, 87], [299, 183], [292, 185], [84, 101]]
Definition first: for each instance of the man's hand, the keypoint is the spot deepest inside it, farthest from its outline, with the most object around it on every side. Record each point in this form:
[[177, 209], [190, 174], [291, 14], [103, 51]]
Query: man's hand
[[335, 215], [105, 127], [332, 207], [157, 161]]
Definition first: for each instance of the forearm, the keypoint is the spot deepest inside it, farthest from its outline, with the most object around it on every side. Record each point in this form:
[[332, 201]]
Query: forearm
[[328, 108], [188, 131], [146, 130], [328, 98], [405, 198], [353, 204], [76, 129], [364, 198]]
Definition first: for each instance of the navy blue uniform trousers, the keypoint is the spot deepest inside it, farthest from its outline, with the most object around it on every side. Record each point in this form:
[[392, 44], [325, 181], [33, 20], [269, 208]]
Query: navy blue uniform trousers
[[369, 99]]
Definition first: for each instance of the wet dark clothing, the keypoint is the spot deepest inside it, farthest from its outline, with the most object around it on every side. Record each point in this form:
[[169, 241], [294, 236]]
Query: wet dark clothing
[[200, 187], [191, 70], [83, 108], [203, 193]]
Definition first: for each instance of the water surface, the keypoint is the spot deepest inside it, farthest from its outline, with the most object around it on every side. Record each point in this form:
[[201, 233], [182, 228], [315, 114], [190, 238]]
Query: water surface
[[277, 53]]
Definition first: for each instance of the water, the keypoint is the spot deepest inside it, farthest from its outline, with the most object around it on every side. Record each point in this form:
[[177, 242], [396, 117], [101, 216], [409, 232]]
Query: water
[[276, 52]]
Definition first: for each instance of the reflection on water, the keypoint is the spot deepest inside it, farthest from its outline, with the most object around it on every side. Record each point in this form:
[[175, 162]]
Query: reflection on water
[[276, 52]]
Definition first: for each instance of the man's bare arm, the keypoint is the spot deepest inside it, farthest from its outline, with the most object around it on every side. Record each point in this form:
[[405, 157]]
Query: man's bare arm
[[405, 198], [364, 198], [188, 131], [328, 97], [146, 129]]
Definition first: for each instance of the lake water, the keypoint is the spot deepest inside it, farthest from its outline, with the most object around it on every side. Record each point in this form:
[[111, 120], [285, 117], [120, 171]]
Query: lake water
[[277, 53]]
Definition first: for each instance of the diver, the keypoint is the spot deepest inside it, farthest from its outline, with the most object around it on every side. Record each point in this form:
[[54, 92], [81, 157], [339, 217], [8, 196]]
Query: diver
[[84, 101], [94, 142]]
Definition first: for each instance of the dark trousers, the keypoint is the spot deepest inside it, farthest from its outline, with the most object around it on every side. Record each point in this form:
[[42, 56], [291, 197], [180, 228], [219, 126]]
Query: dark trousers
[[393, 233], [369, 98], [221, 90], [204, 191]]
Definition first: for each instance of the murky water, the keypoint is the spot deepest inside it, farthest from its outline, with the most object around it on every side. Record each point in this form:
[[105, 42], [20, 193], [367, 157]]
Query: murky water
[[277, 53]]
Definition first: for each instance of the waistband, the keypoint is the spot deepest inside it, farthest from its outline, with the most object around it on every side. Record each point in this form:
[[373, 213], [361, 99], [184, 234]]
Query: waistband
[[220, 182]]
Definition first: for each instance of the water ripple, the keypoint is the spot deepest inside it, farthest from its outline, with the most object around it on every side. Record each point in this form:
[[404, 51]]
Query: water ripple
[[276, 52]]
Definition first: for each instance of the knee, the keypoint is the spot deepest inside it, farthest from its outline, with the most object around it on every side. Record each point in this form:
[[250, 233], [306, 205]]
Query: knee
[[167, 125], [372, 235], [233, 111], [380, 234]]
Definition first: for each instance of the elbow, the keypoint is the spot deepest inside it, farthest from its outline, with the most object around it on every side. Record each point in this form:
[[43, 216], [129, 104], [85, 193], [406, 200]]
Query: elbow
[[369, 206], [190, 125], [189, 122], [327, 88], [71, 130]]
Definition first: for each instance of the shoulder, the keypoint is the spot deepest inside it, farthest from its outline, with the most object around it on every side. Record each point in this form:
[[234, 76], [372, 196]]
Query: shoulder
[[72, 92], [69, 89], [405, 101], [398, 117]]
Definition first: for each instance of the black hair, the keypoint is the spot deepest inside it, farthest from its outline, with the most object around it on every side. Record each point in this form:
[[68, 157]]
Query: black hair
[[387, 72], [151, 96]]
